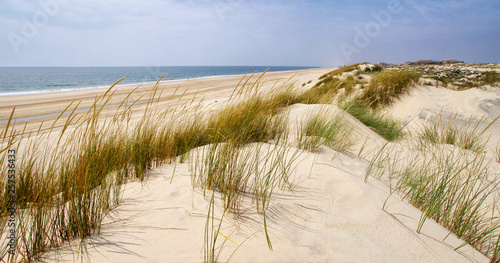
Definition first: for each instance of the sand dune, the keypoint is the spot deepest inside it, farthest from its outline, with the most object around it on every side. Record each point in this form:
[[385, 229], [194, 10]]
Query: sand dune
[[329, 215], [326, 212]]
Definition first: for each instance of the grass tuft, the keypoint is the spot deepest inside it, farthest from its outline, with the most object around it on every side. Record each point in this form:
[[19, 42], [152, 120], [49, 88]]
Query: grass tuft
[[384, 125], [466, 136], [325, 130], [246, 122], [322, 94], [490, 78], [453, 187], [386, 86]]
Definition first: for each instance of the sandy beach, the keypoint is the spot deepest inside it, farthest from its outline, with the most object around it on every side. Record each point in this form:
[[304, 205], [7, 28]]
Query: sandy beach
[[330, 212], [48, 106]]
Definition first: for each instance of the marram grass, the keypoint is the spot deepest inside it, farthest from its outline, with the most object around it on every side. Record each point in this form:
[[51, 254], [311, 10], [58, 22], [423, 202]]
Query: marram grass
[[338, 72], [468, 135], [325, 129], [65, 188], [387, 86], [386, 126], [65, 192], [384, 88], [450, 185]]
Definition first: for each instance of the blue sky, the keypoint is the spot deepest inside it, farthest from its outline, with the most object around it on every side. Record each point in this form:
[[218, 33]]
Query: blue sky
[[241, 32]]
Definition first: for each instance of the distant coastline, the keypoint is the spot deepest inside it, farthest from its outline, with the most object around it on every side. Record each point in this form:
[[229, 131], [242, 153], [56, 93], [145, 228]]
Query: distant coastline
[[35, 80]]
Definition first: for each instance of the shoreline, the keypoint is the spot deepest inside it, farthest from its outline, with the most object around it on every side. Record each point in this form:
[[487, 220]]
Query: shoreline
[[44, 106], [36, 92]]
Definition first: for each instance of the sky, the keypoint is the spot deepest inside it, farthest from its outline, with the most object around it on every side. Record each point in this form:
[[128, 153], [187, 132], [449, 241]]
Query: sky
[[319, 33]]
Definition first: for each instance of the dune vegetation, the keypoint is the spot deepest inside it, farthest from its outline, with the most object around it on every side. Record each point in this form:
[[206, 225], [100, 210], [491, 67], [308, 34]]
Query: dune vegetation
[[450, 185], [67, 180]]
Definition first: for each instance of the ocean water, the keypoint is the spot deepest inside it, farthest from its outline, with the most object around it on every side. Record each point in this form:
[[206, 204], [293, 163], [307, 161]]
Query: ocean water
[[30, 80]]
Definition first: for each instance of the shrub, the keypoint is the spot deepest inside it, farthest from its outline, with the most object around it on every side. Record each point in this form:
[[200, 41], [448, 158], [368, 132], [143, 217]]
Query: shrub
[[376, 68], [490, 78]]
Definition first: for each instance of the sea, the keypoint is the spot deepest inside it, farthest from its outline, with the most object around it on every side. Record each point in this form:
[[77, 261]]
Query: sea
[[32, 80]]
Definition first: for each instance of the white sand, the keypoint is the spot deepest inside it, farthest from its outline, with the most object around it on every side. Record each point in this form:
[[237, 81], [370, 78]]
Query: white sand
[[330, 215], [424, 103], [333, 216]]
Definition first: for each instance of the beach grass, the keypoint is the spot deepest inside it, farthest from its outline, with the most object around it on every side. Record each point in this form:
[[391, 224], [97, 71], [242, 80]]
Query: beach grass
[[69, 178], [323, 129], [322, 94], [326, 89], [375, 68], [229, 130], [65, 192], [383, 88], [248, 156], [490, 78], [386, 126], [450, 185], [387, 86], [467, 136], [254, 171], [337, 72]]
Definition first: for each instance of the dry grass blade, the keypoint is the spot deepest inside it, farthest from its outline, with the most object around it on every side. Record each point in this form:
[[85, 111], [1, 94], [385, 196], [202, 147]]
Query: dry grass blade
[[497, 153]]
